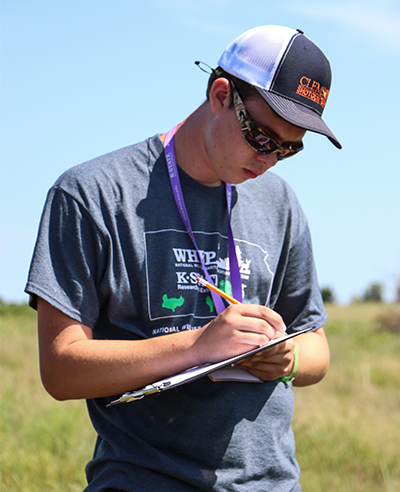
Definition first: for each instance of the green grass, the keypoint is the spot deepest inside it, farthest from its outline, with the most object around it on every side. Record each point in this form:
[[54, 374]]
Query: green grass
[[347, 427]]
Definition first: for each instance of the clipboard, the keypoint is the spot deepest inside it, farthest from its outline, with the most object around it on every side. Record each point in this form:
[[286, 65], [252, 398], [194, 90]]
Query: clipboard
[[199, 371]]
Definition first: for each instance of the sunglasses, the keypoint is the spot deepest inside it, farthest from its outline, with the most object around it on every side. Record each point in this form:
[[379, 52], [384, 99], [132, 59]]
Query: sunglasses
[[258, 139]]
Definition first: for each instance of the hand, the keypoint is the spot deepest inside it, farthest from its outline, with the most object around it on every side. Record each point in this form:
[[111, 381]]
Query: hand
[[237, 330], [273, 363]]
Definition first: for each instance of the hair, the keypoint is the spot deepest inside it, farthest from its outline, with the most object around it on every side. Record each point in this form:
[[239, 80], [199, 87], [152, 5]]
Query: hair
[[246, 90]]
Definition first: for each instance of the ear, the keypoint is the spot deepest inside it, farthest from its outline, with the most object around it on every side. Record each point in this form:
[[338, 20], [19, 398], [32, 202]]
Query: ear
[[220, 95]]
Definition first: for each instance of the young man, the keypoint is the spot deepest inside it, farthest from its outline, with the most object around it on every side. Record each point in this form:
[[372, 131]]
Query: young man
[[113, 276]]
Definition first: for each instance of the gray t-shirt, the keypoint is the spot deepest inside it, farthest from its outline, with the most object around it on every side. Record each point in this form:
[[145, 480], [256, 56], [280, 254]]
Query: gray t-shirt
[[112, 252]]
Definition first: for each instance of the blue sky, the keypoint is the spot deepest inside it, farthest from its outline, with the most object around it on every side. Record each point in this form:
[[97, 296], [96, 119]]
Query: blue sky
[[82, 78]]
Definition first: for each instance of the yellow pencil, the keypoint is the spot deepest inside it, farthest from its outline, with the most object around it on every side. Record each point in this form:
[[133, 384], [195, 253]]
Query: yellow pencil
[[220, 292]]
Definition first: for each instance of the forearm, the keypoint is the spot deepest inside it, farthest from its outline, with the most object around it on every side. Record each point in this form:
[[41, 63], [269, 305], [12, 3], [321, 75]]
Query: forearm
[[313, 354], [73, 365], [97, 368]]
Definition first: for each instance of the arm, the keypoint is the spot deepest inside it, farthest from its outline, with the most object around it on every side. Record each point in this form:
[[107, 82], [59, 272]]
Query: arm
[[74, 365], [277, 362]]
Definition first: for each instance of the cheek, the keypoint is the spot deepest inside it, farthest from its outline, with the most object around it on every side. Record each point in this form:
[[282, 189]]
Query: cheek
[[226, 149], [217, 145]]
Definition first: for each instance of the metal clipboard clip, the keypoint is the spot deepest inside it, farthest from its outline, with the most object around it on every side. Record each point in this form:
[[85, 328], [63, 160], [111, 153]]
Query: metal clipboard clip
[[139, 394]]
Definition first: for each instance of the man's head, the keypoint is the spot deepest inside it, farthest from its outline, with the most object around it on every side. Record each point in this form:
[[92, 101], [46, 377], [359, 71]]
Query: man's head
[[256, 137], [286, 69]]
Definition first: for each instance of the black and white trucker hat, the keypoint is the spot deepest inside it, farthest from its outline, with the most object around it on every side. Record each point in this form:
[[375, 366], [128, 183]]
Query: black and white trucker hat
[[288, 70]]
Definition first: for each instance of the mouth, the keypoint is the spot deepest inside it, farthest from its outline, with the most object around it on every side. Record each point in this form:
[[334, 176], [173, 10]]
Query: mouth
[[251, 174]]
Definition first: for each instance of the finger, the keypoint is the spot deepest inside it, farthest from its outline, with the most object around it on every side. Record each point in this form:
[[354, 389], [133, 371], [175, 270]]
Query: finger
[[241, 319], [251, 339], [260, 326], [272, 366], [263, 313], [281, 354]]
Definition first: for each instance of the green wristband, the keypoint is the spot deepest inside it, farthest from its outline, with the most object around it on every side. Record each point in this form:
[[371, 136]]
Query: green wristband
[[296, 363]]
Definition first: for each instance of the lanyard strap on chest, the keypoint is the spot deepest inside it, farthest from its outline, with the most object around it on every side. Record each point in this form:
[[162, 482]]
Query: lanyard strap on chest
[[235, 278]]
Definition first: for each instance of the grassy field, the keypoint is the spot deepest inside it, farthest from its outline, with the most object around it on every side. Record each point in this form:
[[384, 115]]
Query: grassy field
[[347, 427]]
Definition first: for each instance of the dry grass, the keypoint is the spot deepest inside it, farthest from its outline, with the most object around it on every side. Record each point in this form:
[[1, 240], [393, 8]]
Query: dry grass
[[44, 443], [389, 321], [348, 426]]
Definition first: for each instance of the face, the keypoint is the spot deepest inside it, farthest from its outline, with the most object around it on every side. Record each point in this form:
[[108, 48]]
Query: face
[[256, 137], [231, 157]]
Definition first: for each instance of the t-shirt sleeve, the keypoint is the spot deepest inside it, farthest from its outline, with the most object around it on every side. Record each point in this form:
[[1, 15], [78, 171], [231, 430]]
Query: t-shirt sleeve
[[300, 301], [68, 260], [296, 294]]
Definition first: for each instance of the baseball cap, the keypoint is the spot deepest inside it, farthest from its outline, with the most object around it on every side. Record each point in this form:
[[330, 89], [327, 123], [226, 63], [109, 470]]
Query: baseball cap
[[289, 72]]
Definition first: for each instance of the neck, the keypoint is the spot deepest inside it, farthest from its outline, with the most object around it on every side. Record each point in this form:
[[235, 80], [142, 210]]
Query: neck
[[190, 148]]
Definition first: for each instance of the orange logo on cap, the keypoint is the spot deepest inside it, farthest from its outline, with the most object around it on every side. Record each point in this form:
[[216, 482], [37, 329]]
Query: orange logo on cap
[[312, 90]]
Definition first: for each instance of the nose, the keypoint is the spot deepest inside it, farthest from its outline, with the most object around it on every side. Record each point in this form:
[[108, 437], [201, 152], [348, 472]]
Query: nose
[[268, 160]]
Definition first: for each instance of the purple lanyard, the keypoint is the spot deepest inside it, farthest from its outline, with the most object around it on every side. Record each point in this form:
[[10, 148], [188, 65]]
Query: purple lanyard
[[236, 280]]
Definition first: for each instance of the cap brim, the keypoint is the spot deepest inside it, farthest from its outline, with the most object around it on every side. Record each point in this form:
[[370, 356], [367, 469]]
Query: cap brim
[[298, 115]]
